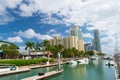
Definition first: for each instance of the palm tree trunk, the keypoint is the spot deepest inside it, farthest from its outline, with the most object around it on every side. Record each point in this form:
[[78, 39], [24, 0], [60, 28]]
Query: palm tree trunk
[[29, 54]]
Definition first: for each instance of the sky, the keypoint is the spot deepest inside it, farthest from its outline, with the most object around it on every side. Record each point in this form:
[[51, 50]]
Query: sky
[[36, 20]]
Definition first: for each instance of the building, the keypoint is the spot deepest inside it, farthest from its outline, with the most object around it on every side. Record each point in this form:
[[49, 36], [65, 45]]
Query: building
[[68, 42], [88, 46], [75, 31], [74, 40], [96, 41]]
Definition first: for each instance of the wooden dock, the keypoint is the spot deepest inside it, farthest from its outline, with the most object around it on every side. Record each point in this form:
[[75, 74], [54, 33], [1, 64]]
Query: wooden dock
[[48, 74]]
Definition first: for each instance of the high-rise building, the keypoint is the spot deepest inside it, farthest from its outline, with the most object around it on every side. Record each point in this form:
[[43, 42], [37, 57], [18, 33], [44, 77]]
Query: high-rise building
[[74, 40], [96, 41], [68, 42], [88, 46], [75, 31]]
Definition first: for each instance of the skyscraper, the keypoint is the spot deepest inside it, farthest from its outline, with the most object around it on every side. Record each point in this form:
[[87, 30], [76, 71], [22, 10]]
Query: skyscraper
[[75, 31], [96, 41], [88, 46]]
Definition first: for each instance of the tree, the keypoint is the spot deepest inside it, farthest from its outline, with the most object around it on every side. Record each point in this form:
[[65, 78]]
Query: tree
[[47, 47], [13, 46], [29, 46], [90, 53], [10, 51], [38, 46]]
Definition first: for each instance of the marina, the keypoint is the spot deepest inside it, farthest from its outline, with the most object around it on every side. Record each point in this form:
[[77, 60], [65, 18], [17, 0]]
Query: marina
[[94, 70]]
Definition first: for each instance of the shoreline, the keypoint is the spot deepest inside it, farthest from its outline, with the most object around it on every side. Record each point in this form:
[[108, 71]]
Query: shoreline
[[27, 68]]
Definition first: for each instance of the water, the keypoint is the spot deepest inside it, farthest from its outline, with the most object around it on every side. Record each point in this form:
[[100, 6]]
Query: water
[[95, 70]]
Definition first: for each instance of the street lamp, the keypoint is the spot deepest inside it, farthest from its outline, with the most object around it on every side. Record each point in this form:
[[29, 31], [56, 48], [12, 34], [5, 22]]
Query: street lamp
[[58, 61]]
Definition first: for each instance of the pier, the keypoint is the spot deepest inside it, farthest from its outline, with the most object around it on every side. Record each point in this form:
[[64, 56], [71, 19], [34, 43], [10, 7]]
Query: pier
[[48, 74], [13, 72]]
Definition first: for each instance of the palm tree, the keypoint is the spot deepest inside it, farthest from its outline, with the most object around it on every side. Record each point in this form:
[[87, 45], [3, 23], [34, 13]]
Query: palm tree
[[60, 48], [47, 47], [38, 46], [29, 46]]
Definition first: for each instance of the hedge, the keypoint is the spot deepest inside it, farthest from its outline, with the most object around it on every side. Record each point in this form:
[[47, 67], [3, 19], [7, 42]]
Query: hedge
[[22, 62]]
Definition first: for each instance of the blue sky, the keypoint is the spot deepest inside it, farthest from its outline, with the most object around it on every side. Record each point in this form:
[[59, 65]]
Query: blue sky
[[36, 20]]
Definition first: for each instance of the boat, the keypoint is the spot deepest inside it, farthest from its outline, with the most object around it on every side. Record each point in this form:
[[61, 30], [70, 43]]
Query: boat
[[94, 57], [83, 61], [108, 58], [72, 62], [110, 63]]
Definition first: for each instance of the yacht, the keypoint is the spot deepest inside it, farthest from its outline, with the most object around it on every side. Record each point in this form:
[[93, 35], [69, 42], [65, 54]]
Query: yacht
[[83, 61], [72, 62], [110, 63]]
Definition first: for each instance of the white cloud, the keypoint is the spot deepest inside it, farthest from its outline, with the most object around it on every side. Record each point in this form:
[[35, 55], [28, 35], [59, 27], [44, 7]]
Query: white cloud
[[51, 31], [4, 14], [15, 39], [22, 49], [30, 33], [67, 31], [102, 14], [87, 35]]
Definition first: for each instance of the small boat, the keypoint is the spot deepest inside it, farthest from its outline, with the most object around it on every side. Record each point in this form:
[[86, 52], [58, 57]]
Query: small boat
[[94, 57], [72, 62], [83, 61], [110, 63]]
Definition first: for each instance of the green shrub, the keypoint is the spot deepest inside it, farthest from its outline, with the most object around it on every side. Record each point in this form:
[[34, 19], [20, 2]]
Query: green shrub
[[22, 62]]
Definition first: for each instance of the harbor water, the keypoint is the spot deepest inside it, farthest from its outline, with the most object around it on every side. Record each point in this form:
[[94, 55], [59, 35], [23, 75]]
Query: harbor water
[[95, 70]]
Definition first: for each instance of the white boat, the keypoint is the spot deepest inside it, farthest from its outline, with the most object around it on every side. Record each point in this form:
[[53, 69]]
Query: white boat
[[72, 62], [83, 61], [94, 57], [110, 63]]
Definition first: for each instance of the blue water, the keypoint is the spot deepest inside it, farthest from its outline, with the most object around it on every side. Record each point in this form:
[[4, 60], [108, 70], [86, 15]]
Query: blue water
[[95, 70]]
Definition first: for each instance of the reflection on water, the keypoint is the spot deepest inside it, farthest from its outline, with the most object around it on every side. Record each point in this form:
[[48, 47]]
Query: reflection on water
[[95, 70]]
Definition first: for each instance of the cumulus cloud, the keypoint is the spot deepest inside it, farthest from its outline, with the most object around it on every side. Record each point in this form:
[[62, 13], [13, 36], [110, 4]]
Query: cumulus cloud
[[88, 35], [101, 14], [4, 14], [16, 39], [67, 31], [51, 31], [30, 33]]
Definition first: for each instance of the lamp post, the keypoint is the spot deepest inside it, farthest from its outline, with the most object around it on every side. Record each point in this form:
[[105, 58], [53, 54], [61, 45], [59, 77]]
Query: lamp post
[[58, 61]]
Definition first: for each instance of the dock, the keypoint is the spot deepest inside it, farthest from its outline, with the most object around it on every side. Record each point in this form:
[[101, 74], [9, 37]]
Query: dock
[[13, 72], [42, 66], [48, 74]]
